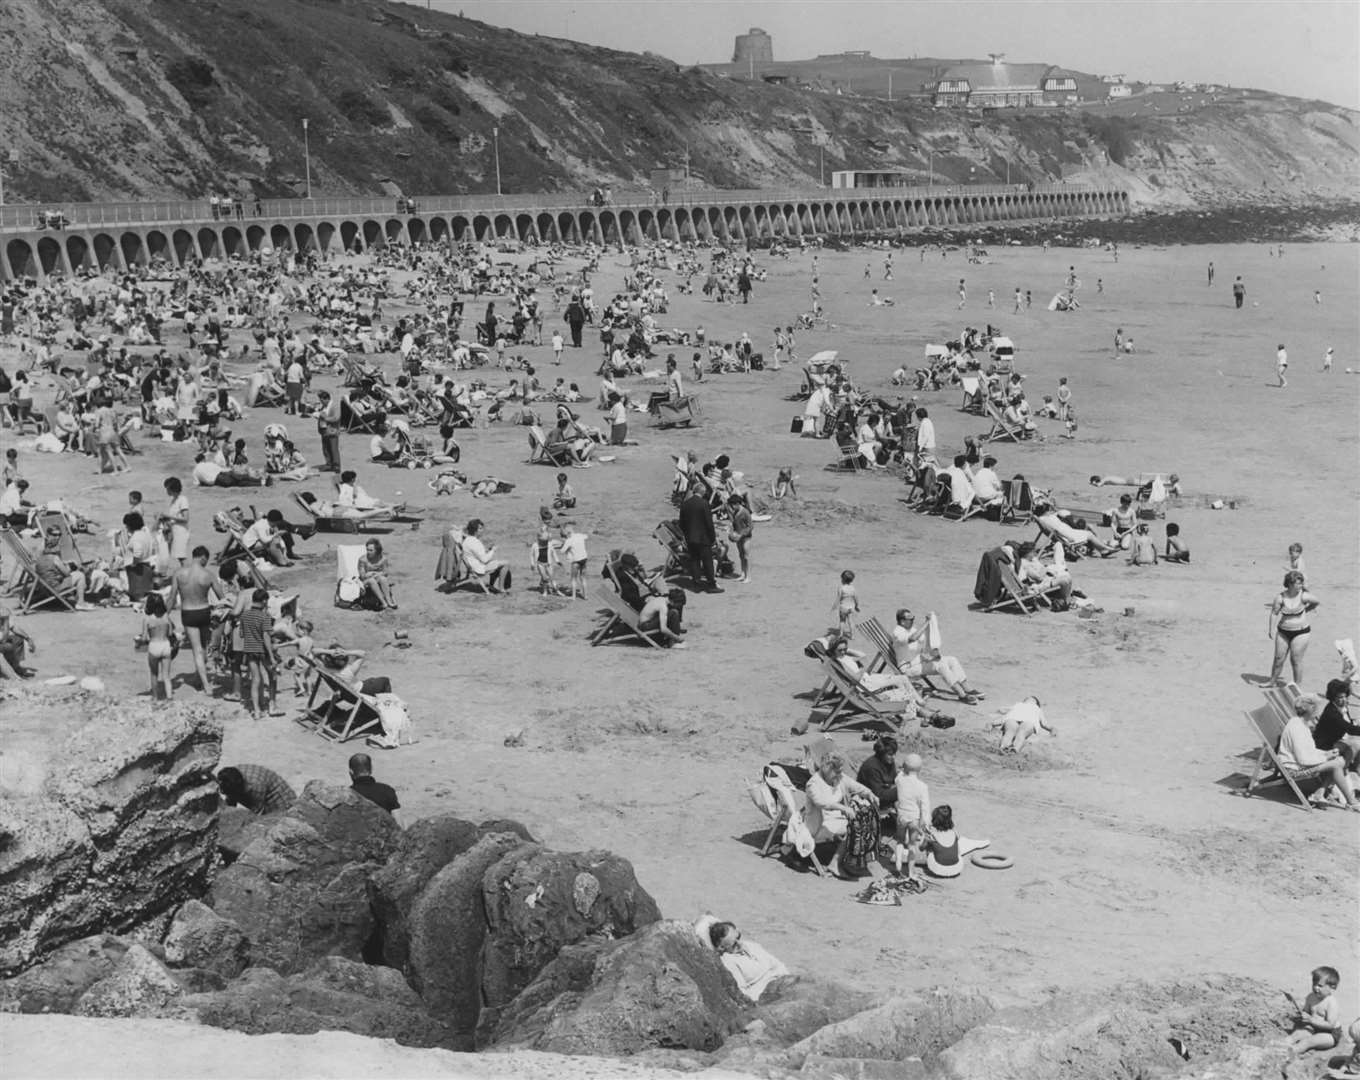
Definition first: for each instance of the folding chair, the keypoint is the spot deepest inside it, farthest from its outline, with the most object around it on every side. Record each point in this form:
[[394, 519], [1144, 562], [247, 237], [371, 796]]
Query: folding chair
[[974, 397], [349, 590], [849, 460], [622, 623], [853, 699], [1018, 508], [33, 592], [467, 575], [777, 798], [1283, 699], [1001, 430], [1269, 728], [355, 422], [886, 658], [669, 536], [346, 714], [70, 550], [541, 453], [1013, 593], [323, 521]]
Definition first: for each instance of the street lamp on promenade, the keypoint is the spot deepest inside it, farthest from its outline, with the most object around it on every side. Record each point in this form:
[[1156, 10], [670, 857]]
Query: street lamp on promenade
[[496, 149], [307, 154]]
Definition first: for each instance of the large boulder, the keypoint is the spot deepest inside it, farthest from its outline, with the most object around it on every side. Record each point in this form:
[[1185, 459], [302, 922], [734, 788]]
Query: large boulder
[[55, 985], [296, 898], [658, 988], [447, 926], [424, 849], [357, 829], [200, 938], [537, 901], [333, 994], [137, 986], [122, 830]]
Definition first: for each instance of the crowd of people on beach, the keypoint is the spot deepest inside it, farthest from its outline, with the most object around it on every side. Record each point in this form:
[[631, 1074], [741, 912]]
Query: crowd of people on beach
[[109, 363]]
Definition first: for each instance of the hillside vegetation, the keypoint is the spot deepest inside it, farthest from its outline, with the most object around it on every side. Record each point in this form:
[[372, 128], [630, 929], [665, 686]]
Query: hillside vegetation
[[137, 99]]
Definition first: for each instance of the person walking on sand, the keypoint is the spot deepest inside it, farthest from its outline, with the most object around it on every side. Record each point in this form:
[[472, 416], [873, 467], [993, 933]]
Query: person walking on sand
[[1239, 292], [963, 294], [1327, 359], [1211, 272], [1019, 301], [1281, 366]]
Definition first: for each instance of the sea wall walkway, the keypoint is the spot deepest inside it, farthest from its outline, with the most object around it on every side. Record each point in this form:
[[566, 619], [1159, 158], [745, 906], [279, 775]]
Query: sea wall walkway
[[101, 235]]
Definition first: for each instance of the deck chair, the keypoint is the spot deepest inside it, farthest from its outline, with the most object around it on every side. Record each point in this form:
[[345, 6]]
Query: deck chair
[[849, 699], [358, 373], [351, 522], [877, 635], [1268, 727], [467, 575], [355, 422], [622, 623], [1013, 593], [1283, 699], [1018, 509], [776, 797], [1002, 430], [849, 460], [1047, 539], [346, 714], [541, 453], [974, 396], [32, 591], [70, 550], [669, 536]]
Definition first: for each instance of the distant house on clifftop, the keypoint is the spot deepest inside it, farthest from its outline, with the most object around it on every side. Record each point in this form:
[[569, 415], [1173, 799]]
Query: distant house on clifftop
[[992, 85]]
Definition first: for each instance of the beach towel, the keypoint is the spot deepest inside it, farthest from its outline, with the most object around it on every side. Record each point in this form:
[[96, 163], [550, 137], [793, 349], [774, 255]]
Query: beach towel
[[1349, 665], [933, 640], [1158, 493]]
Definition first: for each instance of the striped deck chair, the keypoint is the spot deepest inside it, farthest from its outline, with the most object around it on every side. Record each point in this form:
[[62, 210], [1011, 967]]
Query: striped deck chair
[[1269, 727], [33, 593], [877, 635]]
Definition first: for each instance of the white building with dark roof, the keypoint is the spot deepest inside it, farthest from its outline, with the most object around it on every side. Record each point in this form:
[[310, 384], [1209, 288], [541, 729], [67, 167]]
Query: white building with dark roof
[[992, 85]]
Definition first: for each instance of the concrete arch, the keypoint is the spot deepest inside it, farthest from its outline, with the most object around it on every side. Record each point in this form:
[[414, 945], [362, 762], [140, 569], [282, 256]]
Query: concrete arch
[[349, 232], [395, 231], [134, 249], [106, 251], [209, 243], [182, 243], [325, 236], [647, 226], [684, 225], [608, 227], [233, 242], [22, 260], [439, 229], [281, 238], [78, 252], [460, 228], [481, 227], [665, 224], [503, 226], [304, 239], [157, 245], [732, 222], [568, 228], [547, 228], [374, 237], [417, 230], [50, 256], [589, 228], [746, 217], [627, 227], [525, 229], [256, 237]]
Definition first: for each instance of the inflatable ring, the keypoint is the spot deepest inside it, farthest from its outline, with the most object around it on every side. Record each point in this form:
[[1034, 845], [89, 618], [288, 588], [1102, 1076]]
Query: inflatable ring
[[992, 861]]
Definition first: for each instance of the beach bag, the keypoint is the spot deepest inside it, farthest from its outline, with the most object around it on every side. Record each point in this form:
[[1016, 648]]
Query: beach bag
[[395, 718], [796, 426]]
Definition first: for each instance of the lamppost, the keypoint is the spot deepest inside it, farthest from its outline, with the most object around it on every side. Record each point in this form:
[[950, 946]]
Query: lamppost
[[307, 153], [496, 149]]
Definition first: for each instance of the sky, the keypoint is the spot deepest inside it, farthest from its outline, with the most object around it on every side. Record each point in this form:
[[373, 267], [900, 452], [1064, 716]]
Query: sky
[[1306, 48]]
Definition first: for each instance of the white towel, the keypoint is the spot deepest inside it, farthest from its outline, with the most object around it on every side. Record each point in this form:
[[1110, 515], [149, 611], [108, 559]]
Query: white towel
[[1158, 494], [933, 639], [1349, 664]]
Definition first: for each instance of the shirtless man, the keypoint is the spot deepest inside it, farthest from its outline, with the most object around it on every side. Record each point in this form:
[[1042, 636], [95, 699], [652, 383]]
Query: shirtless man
[[194, 585]]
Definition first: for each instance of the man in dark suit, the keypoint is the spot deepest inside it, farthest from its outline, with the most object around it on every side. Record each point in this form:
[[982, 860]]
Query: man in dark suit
[[696, 523]]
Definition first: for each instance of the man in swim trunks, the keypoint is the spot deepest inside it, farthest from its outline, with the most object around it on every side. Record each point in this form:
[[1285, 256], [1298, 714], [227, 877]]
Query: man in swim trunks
[[194, 585]]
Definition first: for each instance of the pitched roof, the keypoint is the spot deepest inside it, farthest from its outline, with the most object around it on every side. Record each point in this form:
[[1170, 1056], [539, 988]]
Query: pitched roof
[[984, 76]]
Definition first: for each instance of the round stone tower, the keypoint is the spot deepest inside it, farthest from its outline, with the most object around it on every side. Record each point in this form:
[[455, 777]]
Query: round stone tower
[[753, 46]]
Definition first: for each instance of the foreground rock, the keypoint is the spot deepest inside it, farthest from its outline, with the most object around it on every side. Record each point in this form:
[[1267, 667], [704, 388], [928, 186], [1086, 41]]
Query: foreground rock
[[538, 901], [658, 988], [200, 938], [139, 985], [55, 985], [123, 828], [334, 994], [299, 891]]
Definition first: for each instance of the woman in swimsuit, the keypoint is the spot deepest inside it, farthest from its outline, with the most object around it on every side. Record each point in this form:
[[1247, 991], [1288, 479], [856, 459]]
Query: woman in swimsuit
[[160, 648], [1288, 625], [373, 571]]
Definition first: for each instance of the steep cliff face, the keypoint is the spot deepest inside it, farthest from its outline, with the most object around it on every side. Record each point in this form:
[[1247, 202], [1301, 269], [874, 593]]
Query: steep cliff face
[[123, 99]]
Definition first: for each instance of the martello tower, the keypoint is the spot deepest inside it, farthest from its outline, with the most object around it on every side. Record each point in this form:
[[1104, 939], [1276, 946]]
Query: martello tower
[[754, 46]]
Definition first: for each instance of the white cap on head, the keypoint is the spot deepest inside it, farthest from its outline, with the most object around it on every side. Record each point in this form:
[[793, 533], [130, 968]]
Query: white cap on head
[[913, 763]]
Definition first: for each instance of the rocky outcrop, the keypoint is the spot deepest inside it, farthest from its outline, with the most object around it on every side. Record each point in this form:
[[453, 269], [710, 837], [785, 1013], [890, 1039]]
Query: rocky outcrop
[[200, 938], [903, 1028], [661, 987], [538, 901], [448, 925], [334, 994], [300, 890], [123, 828]]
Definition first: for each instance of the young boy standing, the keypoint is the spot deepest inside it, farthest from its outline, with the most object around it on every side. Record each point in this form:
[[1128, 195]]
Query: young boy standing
[[257, 646], [573, 553]]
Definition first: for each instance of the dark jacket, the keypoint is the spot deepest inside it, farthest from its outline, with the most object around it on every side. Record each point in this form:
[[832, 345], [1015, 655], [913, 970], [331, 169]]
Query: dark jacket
[[988, 585], [1332, 727], [696, 520], [881, 780]]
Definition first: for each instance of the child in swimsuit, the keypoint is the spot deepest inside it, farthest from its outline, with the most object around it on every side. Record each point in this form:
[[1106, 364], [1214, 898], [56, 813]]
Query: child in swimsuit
[[157, 632], [847, 605], [1176, 551]]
